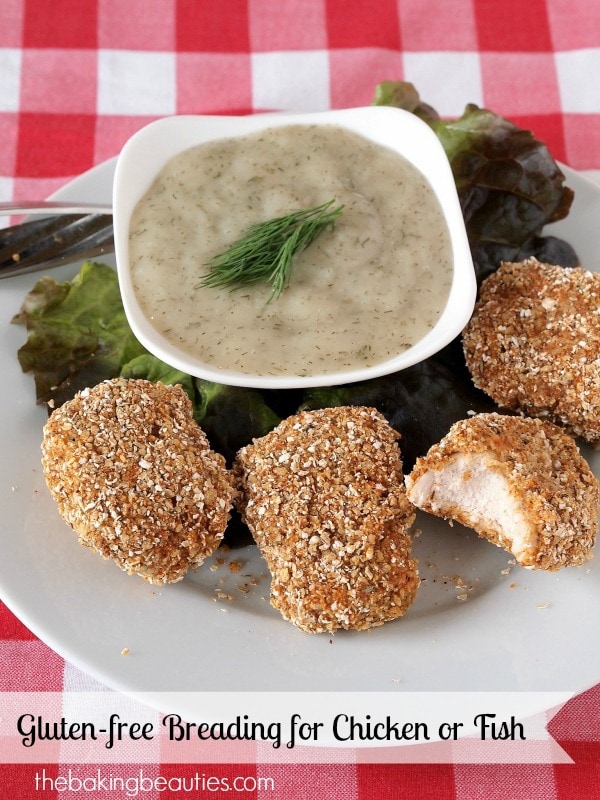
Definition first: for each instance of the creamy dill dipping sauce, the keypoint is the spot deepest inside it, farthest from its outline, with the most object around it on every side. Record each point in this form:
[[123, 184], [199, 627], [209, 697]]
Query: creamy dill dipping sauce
[[368, 287]]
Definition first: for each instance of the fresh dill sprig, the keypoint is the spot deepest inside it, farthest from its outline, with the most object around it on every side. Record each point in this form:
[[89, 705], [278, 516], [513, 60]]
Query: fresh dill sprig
[[265, 252]]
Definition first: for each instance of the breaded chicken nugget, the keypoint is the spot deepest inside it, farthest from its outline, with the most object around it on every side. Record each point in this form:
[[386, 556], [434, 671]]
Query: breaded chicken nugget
[[323, 495], [519, 482], [533, 343], [134, 476]]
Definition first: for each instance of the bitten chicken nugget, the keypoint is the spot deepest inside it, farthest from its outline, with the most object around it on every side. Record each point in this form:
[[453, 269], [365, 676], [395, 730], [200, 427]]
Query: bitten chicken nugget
[[519, 482], [533, 343], [134, 476], [323, 495]]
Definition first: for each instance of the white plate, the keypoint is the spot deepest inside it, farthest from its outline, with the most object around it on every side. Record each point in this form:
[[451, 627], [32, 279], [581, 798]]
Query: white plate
[[518, 630]]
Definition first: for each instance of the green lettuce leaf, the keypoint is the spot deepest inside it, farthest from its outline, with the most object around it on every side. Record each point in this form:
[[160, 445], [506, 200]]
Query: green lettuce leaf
[[401, 94], [509, 185], [77, 333]]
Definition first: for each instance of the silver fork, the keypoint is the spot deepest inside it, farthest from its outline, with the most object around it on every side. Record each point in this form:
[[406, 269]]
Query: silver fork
[[72, 232]]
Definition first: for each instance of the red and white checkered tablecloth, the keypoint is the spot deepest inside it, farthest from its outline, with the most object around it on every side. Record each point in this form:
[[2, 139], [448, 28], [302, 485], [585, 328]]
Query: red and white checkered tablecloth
[[77, 78]]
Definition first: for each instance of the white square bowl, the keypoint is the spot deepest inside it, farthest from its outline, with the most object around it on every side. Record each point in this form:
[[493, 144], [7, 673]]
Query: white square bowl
[[147, 152]]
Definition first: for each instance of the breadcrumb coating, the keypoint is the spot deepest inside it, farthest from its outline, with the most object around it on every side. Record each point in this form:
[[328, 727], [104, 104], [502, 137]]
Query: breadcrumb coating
[[134, 476], [519, 482], [533, 343], [323, 495]]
